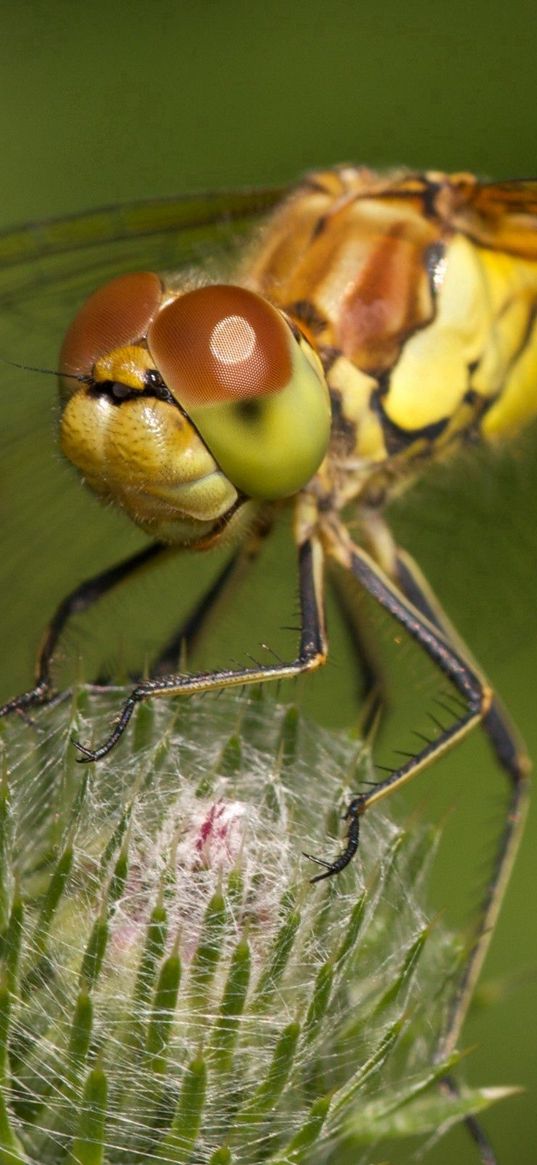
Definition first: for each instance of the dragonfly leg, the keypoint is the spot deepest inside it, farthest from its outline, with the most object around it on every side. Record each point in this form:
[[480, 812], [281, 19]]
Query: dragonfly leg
[[187, 638], [512, 758], [473, 689], [487, 1156], [311, 654], [414, 606], [80, 599], [370, 682]]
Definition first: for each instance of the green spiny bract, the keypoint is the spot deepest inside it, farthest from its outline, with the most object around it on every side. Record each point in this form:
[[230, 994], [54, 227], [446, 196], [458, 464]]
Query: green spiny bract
[[173, 989]]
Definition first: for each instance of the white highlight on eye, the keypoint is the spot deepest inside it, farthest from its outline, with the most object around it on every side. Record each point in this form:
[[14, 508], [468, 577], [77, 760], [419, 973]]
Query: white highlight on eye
[[232, 340]]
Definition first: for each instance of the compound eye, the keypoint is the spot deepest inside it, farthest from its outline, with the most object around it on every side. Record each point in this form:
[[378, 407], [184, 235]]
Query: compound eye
[[220, 343], [115, 315], [255, 391]]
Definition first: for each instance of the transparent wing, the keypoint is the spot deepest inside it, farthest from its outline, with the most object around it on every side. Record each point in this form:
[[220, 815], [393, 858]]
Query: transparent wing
[[52, 535], [57, 261]]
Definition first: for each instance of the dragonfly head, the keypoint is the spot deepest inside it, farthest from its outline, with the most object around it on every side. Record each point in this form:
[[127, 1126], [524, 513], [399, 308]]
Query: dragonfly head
[[177, 406]]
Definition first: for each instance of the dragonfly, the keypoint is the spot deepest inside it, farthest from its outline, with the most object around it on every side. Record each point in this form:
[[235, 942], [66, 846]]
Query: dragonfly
[[368, 326]]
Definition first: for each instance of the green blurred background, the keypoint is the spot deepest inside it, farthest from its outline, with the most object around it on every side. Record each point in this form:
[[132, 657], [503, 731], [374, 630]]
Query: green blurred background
[[104, 103]]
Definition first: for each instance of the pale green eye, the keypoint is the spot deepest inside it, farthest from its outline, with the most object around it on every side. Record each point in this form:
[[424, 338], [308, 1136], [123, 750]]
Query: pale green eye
[[255, 392]]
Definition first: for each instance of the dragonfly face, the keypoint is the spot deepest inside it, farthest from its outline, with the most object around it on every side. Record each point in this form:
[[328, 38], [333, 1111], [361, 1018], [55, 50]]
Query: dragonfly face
[[377, 323], [191, 403]]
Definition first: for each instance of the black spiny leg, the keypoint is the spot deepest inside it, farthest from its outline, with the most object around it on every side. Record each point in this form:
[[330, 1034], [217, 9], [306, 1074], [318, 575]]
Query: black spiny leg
[[415, 607], [222, 590], [80, 599], [311, 654], [372, 689], [470, 685], [514, 761]]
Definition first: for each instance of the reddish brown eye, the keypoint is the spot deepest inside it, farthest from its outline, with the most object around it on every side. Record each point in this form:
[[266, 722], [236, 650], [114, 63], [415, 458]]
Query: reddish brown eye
[[220, 343], [117, 314]]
